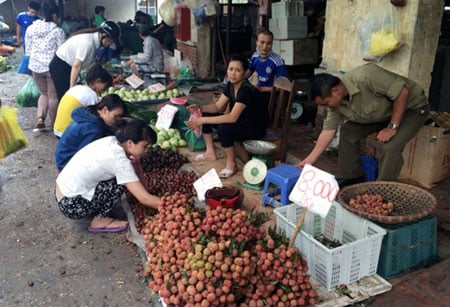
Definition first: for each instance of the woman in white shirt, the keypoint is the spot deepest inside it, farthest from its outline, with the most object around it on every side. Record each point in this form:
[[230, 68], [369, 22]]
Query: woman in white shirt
[[93, 181], [42, 39]]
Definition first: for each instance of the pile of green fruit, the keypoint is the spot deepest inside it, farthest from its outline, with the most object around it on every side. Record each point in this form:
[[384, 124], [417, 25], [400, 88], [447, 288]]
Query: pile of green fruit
[[132, 95], [169, 139]]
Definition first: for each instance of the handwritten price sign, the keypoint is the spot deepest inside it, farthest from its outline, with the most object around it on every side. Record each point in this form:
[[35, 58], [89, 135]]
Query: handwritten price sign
[[315, 190], [165, 116], [208, 181]]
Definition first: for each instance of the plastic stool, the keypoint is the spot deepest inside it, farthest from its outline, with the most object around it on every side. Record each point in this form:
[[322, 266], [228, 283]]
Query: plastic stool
[[284, 177]]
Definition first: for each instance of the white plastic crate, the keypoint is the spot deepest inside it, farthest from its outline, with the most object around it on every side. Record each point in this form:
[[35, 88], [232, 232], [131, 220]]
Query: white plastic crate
[[358, 255]]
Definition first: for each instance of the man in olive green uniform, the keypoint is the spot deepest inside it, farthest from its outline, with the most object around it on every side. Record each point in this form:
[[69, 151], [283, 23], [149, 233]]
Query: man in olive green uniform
[[365, 100]]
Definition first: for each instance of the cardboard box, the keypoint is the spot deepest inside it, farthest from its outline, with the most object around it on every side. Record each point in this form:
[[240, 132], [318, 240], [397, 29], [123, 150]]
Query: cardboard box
[[289, 27], [291, 8], [297, 51], [427, 157]]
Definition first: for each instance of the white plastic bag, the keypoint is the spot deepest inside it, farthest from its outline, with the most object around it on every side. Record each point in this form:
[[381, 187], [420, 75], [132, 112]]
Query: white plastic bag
[[379, 31]]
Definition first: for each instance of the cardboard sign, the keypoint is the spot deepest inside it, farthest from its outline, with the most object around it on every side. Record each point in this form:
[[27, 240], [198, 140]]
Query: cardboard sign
[[315, 190], [158, 76], [208, 181], [165, 116], [134, 81], [157, 87]]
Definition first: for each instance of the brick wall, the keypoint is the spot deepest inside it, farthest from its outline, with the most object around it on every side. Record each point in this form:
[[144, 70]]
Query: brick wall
[[188, 52]]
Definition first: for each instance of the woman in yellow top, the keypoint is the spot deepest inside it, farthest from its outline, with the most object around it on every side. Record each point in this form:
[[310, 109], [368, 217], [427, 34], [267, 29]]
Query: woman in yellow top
[[97, 80]]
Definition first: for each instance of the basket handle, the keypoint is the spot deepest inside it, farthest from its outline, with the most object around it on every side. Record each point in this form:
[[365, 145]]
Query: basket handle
[[299, 226]]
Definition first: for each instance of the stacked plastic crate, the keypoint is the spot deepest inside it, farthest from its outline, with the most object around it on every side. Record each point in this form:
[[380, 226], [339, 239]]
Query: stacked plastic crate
[[290, 29]]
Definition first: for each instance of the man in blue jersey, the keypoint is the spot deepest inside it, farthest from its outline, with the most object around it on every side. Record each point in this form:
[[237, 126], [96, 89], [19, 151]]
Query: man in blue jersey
[[266, 63], [25, 19]]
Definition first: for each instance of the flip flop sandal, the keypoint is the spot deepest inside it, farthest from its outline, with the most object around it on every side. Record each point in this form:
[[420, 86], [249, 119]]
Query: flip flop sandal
[[226, 173], [200, 157], [108, 229]]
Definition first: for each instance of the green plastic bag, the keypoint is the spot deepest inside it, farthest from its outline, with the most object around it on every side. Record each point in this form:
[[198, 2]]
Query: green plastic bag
[[28, 95]]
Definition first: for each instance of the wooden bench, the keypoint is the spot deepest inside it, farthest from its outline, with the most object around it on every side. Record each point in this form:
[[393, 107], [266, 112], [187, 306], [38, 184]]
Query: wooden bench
[[280, 109]]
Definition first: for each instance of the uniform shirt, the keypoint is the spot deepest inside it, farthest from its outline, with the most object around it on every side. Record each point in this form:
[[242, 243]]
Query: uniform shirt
[[101, 160], [43, 39], [372, 91], [255, 114], [153, 58], [81, 47], [85, 129], [75, 97], [267, 70], [25, 21]]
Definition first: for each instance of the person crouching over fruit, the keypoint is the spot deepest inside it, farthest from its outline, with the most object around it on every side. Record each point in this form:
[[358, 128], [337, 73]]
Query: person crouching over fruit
[[93, 181]]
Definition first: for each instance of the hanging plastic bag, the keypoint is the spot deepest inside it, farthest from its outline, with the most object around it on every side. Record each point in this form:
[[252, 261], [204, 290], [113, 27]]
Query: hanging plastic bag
[[12, 137], [28, 95], [23, 68], [197, 113], [186, 70], [379, 31], [167, 12]]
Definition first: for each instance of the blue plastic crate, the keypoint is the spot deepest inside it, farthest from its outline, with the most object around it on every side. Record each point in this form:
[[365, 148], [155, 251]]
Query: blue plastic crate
[[408, 246]]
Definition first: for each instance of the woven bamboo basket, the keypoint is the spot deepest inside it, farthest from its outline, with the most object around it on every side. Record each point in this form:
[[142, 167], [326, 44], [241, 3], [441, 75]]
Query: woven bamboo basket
[[410, 202]]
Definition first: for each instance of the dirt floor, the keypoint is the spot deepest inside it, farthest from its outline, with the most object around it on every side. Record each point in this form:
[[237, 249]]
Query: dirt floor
[[45, 258]]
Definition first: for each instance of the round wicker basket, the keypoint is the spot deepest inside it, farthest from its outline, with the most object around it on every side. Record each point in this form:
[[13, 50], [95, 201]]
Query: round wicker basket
[[410, 202]]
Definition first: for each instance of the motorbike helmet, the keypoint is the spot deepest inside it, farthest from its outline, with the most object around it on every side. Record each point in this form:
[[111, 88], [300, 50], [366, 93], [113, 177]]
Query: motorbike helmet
[[112, 30]]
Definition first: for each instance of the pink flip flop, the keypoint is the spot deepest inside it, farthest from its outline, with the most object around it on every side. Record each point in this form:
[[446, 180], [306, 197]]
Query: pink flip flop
[[107, 229]]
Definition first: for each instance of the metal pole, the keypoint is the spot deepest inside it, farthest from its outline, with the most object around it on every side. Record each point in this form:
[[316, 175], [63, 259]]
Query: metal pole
[[227, 40], [213, 32]]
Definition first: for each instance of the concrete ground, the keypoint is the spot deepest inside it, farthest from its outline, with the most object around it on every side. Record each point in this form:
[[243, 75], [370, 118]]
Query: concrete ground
[[420, 286], [47, 259]]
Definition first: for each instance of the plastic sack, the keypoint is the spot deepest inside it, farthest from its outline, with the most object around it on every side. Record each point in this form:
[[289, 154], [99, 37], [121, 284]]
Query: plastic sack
[[379, 31], [23, 68], [186, 70], [200, 16], [3, 64], [12, 137], [383, 42], [28, 95], [196, 114], [167, 12]]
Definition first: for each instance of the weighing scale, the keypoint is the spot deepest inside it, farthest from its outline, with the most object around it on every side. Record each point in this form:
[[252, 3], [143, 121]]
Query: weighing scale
[[297, 106], [297, 111], [255, 170]]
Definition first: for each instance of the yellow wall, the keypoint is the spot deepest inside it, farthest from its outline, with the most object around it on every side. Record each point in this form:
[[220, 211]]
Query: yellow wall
[[420, 23]]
